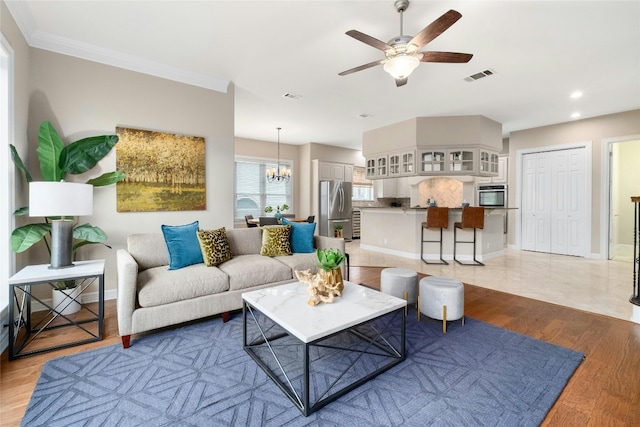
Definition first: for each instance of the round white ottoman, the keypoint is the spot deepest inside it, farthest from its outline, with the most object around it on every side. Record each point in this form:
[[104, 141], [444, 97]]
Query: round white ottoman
[[441, 298], [397, 281]]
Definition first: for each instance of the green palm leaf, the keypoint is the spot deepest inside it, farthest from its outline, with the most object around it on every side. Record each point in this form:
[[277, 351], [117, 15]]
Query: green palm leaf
[[80, 156], [49, 148], [89, 233], [18, 162], [107, 179], [26, 236]]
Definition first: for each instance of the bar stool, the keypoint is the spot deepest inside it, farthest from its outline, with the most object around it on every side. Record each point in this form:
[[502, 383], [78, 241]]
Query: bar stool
[[472, 217], [436, 218]]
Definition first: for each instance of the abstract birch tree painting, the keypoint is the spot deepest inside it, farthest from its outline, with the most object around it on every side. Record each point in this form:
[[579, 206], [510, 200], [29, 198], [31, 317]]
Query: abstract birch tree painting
[[165, 172]]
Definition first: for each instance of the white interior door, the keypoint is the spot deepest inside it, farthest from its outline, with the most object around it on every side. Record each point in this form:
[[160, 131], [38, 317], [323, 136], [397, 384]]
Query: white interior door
[[554, 202], [528, 202]]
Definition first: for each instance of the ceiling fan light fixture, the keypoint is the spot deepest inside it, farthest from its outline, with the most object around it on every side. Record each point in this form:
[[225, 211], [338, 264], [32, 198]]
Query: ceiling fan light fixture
[[401, 66]]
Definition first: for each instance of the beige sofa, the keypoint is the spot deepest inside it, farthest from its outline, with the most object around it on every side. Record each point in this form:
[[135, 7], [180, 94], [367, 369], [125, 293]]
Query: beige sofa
[[151, 296]]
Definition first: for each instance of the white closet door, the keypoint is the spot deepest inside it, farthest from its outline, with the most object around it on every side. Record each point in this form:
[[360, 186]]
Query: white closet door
[[528, 202], [553, 202], [543, 202], [576, 201]]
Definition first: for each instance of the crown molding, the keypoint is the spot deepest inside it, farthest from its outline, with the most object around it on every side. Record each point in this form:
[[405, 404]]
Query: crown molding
[[42, 40]]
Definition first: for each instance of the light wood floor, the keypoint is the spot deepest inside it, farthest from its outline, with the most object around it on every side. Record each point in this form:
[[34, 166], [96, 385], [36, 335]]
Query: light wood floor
[[604, 391]]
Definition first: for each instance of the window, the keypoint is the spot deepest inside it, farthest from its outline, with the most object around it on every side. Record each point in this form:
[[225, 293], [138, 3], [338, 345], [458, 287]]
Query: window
[[252, 190], [362, 187]]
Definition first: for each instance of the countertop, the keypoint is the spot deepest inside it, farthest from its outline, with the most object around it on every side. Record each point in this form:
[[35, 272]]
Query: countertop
[[421, 208]]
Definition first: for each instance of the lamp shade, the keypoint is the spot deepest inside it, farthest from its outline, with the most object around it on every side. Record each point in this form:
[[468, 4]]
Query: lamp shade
[[401, 66], [48, 198]]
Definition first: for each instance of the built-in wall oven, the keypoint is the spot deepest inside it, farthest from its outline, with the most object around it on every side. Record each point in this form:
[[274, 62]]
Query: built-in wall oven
[[494, 196]]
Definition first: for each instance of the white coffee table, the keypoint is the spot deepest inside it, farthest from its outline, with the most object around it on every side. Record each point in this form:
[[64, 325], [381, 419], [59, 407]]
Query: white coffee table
[[317, 354]]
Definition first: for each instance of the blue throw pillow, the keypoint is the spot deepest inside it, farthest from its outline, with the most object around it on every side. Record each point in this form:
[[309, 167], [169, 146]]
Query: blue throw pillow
[[182, 243], [301, 236]]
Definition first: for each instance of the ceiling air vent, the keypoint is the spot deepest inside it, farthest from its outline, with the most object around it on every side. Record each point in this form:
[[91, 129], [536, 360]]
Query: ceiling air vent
[[480, 75], [291, 95]]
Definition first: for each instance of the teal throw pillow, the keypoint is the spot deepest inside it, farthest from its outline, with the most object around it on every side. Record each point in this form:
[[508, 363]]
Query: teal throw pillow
[[301, 236], [182, 244]]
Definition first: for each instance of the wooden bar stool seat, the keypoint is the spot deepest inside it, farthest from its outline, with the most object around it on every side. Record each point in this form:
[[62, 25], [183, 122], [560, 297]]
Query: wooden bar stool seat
[[436, 218], [472, 217]]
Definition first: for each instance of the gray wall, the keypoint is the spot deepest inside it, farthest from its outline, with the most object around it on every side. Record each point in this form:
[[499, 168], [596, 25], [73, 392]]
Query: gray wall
[[83, 98]]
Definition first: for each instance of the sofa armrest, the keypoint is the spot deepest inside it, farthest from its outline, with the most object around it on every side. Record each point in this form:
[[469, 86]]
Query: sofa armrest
[[325, 242], [127, 290]]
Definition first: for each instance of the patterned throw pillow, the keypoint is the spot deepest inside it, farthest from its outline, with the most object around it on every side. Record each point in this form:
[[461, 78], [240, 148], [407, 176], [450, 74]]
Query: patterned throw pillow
[[214, 246], [275, 240]]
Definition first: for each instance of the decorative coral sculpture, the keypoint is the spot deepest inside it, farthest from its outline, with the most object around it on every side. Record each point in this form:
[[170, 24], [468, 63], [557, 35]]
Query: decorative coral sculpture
[[319, 291]]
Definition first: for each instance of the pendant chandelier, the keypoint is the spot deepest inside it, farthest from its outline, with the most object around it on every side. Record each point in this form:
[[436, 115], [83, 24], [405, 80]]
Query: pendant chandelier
[[279, 173]]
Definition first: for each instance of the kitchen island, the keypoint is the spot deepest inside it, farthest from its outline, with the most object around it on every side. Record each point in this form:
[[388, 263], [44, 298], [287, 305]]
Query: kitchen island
[[396, 231]]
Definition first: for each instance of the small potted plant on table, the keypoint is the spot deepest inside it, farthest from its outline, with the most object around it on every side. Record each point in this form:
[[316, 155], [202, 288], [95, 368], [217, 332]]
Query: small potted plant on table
[[330, 271], [279, 210], [337, 231]]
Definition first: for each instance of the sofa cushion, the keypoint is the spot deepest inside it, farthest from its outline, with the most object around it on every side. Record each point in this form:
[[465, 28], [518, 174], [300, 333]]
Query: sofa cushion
[[159, 286], [148, 249], [214, 246], [245, 241], [299, 261], [276, 240], [301, 236], [182, 244], [246, 271]]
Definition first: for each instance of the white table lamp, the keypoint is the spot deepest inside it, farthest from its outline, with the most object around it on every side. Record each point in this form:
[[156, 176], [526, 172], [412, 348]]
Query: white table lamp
[[60, 199]]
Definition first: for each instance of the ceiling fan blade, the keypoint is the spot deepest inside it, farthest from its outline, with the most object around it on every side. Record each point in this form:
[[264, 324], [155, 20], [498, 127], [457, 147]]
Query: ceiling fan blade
[[436, 28], [454, 57], [401, 82], [361, 67], [371, 41]]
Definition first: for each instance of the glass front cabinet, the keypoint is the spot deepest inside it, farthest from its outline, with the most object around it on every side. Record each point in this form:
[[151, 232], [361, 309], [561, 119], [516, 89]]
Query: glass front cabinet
[[432, 161], [477, 161], [371, 168]]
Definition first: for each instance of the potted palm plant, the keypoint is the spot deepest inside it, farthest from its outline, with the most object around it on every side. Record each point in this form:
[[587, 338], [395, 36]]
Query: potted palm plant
[[56, 161]]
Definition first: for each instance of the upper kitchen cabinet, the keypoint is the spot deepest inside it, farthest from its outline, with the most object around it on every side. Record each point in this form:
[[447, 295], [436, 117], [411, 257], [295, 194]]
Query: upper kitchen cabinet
[[402, 163], [458, 145], [431, 160], [457, 161], [382, 170], [371, 168], [501, 172], [328, 171]]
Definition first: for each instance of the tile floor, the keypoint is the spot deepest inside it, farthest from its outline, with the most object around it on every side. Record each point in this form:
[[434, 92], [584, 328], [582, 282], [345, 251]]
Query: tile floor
[[597, 286]]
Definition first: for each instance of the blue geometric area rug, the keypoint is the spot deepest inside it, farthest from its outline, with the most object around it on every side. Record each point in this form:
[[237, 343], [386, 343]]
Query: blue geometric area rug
[[199, 375]]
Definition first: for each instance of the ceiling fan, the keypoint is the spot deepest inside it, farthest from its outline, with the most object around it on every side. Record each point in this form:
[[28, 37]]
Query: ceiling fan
[[401, 52]]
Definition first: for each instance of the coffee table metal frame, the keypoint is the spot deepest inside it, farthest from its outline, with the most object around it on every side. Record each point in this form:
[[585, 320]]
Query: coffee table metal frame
[[268, 339]]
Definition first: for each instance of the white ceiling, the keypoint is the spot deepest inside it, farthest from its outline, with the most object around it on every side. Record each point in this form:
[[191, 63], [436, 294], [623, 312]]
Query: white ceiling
[[540, 51]]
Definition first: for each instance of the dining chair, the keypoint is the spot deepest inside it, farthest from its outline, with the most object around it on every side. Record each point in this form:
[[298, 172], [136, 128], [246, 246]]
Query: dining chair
[[288, 215], [268, 220], [249, 224], [311, 218]]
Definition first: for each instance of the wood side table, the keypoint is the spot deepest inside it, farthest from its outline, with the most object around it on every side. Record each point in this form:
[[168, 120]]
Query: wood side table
[[33, 318]]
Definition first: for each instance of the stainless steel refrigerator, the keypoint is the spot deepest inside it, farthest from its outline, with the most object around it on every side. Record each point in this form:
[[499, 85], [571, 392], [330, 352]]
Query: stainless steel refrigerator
[[335, 208]]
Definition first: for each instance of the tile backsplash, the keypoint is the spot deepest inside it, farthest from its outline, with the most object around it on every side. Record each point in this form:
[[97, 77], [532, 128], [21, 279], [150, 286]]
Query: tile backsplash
[[446, 192]]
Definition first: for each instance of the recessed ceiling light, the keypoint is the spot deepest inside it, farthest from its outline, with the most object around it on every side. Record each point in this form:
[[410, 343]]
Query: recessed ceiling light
[[575, 95], [576, 115]]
